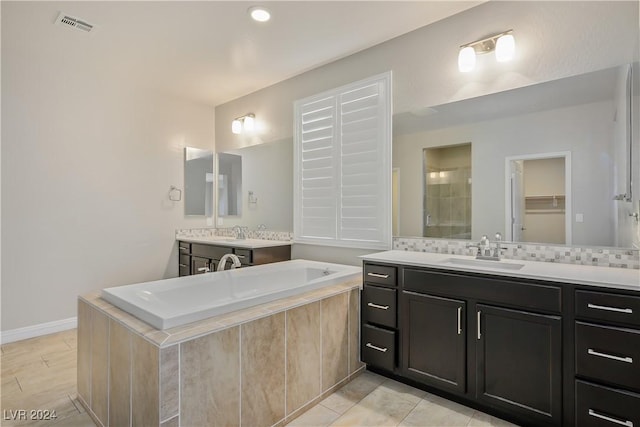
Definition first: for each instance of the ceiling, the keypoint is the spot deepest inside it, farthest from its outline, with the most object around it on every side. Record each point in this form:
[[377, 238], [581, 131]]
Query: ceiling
[[211, 51]]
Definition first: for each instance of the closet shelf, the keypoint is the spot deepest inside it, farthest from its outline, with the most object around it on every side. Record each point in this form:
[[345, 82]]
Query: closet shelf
[[545, 197], [544, 211]]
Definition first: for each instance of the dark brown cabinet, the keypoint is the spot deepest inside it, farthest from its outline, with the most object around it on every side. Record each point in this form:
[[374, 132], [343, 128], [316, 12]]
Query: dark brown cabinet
[[379, 333], [493, 342], [598, 406], [607, 354], [519, 362], [435, 340], [199, 258]]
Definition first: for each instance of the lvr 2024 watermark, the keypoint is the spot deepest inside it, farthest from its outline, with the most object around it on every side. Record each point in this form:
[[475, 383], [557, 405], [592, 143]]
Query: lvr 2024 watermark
[[29, 415]]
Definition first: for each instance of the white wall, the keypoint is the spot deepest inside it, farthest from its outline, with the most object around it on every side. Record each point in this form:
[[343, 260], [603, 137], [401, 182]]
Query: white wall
[[267, 170], [87, 160], [554, 40], [584, 130]]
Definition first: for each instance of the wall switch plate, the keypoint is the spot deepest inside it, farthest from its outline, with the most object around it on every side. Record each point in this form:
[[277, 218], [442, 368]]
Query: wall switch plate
[[209, 222], [579, 218], [219, 221]]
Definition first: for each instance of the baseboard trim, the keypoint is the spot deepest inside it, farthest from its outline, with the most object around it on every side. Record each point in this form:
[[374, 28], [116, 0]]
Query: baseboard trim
[[38, 330]]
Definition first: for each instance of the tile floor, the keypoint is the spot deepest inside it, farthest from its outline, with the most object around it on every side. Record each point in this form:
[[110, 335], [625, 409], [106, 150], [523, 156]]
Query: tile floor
[[373, 400], [40, 374]]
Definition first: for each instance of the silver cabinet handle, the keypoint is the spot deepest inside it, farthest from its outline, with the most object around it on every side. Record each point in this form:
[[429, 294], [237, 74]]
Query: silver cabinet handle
[[205, 269], [479, 313], [626, 423], [183, 265], [184, 249], [616, 309], [610, 356], [459, 320], [381, 307], [384, 350], [382, 276]]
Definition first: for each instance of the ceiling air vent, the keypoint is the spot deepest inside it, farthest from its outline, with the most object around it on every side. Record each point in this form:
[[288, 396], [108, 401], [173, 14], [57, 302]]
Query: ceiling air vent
[[73, 22]]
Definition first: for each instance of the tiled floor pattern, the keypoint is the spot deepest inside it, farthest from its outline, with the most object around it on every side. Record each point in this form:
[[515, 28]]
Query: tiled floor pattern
[[40, 374], [373, 400]]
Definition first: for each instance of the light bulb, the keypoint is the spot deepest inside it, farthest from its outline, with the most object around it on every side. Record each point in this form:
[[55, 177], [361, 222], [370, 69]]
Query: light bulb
[[249, 124], [259, 13], [466, 59], [236, 126], [505, 48]]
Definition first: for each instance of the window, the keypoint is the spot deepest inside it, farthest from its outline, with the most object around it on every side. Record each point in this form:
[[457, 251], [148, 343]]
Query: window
[[342, 170]]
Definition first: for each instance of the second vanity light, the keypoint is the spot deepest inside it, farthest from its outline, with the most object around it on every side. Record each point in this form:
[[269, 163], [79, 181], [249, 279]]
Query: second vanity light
[[245, 123], [503, 44]]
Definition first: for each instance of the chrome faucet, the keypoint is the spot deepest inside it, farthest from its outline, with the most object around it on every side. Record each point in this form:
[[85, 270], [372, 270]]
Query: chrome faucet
[[497, 250], [223, 261], [484, 248], [239, 232]]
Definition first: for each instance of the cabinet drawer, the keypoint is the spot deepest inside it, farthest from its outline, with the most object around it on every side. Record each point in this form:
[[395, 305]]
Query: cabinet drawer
[[184, 270], [210, 251], [608, 354], [201, 265], [378, 347], [184, 259], [598, 406], [608, 307], [184, 248], [244, 255], [379, 305], [381, 274]]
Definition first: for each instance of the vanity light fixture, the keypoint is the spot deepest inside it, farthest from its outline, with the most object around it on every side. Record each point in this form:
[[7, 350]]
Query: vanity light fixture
[[259, 13], [244, 123], [502, 43]]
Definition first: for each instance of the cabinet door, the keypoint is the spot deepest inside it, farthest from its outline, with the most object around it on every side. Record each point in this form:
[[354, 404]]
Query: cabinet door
[[519, 363], [200, 265], [434, 340]]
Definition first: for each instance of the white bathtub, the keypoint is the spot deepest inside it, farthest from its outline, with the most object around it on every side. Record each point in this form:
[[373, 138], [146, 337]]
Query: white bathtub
[[173, 302]]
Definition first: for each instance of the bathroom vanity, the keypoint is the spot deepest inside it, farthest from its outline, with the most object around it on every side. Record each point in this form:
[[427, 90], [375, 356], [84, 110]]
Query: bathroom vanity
[[197, 255], [535, 343]]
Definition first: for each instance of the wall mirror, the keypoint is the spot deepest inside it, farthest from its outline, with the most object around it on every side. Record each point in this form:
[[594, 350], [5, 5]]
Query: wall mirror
[[265, 196], [229, 184], [584, 115], [198, 182]]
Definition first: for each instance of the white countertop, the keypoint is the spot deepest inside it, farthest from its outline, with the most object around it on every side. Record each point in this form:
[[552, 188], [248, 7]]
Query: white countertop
[[618, 278], [235, 243]]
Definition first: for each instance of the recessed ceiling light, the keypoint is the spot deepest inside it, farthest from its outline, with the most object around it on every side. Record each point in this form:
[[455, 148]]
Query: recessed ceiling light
[[259, 13]]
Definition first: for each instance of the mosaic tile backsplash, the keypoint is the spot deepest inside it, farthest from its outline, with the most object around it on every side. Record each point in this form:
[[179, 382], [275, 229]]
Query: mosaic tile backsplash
[[602, 257], [229, 232]]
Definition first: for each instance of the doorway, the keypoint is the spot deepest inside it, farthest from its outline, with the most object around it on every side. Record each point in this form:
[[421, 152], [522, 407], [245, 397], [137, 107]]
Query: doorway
[[538, 198]]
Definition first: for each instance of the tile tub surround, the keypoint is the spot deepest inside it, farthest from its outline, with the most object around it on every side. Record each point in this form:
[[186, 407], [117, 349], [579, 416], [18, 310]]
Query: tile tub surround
[[259, 366], [596, 256]]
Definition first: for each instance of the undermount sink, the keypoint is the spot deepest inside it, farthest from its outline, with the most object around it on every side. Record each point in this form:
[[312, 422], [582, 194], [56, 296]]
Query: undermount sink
[[482, 263]]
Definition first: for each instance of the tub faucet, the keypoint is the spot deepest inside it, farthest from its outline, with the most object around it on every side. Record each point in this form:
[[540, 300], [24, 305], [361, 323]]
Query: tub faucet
[[223, 261]]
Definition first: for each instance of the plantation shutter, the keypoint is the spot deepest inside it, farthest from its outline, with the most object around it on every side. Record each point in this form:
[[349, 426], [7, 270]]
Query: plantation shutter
[[342, 193]]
